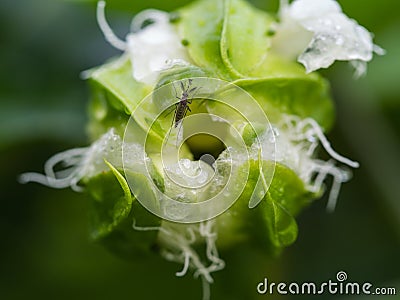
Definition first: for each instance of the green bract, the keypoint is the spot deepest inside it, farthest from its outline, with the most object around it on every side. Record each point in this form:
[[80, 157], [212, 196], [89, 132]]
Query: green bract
[[114, 95], [113, 212], [222, 45], [271, 223]]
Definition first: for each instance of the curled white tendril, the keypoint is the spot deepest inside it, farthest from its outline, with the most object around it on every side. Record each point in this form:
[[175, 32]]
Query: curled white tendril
[[177, 241], [296, 142], [78, 163]]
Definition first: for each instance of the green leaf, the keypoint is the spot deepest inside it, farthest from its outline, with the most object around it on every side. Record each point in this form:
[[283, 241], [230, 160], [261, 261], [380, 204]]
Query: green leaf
[[245, 41], [114, 94], [102, 114], [112, 205], [285, 198], [117, 79], [271, 224], [282, 226], [121, 180], [143, 189], [112, 214], [292, 93], [179, 73], [201, 24]]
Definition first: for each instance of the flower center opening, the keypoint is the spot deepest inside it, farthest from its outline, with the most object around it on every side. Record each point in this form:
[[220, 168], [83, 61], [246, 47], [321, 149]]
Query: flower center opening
[[202, 144]]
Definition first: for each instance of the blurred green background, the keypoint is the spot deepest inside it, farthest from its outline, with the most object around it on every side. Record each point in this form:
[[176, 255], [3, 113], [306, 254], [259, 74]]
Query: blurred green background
[[45, 252]]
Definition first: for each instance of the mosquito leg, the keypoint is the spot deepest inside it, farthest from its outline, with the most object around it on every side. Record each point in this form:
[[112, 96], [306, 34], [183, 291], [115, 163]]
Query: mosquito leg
[[176, 93], [172, 123], [179, 131], [176, 104], [202, 101], [196, 92], [181, 125]]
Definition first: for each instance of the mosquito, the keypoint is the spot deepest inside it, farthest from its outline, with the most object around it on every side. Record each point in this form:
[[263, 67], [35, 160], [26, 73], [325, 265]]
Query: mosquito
[[182, 107]]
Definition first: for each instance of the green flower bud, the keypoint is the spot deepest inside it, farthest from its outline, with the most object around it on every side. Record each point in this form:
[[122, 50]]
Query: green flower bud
[[204, 135]]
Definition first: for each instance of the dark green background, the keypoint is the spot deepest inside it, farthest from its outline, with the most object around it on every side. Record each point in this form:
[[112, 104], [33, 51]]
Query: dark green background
[[45, 253]]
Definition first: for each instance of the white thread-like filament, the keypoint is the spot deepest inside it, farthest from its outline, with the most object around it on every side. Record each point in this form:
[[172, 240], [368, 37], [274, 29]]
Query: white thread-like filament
[[58, 180], [145, 15], [185, 265], [327, 145], [108, 33], [177, 247]]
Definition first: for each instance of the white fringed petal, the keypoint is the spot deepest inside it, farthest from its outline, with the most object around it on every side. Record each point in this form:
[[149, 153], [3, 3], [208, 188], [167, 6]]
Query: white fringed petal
[[151, 49], [317, 32]]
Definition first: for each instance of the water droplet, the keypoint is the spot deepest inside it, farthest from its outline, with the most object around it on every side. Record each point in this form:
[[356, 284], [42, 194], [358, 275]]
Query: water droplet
[[175, 211], [339, 41], [202, 177], [186, 163]]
